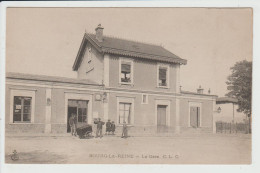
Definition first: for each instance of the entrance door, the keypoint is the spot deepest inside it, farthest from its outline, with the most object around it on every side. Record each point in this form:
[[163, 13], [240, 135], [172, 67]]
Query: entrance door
[[161, 118], [194, 116], [79, 108]]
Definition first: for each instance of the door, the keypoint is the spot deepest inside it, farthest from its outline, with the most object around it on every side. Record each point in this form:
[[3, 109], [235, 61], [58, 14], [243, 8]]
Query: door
[[194, 116], [80, 109], [161, 118]]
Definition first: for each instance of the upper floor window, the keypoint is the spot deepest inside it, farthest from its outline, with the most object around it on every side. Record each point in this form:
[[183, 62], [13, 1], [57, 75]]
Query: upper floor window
[[163, 76], [126, 71]]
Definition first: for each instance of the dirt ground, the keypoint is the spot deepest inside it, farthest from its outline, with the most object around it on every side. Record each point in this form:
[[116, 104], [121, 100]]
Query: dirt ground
[[179, 149]]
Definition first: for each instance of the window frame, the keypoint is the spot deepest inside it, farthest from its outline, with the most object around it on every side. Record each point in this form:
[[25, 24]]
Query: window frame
[[124, 110], [159, 65], [22, 93], [130, 100], [121, 60]]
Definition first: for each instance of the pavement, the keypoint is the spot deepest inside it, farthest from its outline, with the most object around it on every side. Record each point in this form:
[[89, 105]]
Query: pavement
[[177, 149]]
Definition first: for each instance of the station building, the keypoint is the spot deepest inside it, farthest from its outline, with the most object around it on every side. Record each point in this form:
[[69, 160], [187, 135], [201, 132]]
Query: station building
[[117, 79]]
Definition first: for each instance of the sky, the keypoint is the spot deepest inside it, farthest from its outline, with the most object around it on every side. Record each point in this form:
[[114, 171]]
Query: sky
[[45, 41]]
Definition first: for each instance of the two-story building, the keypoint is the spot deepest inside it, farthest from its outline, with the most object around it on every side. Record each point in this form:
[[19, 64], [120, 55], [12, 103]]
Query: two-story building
[[117, 79]]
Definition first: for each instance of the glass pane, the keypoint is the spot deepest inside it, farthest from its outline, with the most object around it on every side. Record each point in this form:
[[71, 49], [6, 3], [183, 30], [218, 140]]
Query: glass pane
[[84, 111], [127, 107], [80, 118], [27, 100], [121, 119], [121, 113], [122, 75], [79, 111], [72, 103], [17, 117], [27, 109], [17, 100], [26, 117], [121, 106], [84, 118], [126, 116]]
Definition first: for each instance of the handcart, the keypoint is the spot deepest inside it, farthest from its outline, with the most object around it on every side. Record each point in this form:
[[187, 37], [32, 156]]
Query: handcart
[[84, 131]]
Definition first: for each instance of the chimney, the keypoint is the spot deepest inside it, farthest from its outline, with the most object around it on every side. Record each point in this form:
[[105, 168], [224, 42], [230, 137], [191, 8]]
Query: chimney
[[99, 33], [200, 90]]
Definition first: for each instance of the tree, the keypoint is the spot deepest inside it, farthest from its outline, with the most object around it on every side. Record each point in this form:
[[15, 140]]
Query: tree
[[240, 86]]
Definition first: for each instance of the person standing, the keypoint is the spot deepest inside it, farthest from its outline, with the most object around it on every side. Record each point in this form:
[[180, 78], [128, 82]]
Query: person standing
[[124, 133], [108, 127], [113, 127], [72, 123], [99, 127]]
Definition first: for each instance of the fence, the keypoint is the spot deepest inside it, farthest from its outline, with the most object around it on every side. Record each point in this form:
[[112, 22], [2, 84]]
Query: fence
[[225, 127]]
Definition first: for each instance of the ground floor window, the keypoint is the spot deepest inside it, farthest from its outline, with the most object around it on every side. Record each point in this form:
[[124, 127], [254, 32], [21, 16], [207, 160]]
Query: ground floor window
[[22, 109], [124, 113]]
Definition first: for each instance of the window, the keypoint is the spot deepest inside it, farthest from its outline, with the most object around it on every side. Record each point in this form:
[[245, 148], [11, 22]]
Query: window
[[163, 76], [144, 99], [124, 113], [22, 109], [126, 71]]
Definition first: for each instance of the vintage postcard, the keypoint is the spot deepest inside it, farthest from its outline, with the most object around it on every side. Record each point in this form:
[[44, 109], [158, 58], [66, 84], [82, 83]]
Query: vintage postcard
[[128, 85]]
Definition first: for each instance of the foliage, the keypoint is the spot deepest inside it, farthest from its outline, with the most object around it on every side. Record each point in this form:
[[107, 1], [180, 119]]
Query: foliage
[[240, 85]]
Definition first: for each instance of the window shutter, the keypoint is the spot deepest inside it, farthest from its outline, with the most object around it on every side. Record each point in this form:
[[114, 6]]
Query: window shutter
[[162, 74], [126, 68]]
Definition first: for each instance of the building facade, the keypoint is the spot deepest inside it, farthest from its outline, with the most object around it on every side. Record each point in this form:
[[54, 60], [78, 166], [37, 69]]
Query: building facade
[[117, 79]]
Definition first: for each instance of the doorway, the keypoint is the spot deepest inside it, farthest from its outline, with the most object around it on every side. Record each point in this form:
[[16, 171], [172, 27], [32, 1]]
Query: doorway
[[194, 116], [80, 109], [161, 118]]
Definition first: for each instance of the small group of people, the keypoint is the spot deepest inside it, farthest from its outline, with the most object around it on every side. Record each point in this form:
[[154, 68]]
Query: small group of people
[[110, 127]]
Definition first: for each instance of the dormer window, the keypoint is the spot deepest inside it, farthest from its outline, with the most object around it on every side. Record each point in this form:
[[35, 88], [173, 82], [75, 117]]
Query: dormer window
[[126, 71]]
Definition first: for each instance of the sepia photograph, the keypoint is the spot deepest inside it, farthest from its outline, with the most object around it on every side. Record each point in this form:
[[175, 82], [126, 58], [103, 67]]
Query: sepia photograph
[[128, 85]]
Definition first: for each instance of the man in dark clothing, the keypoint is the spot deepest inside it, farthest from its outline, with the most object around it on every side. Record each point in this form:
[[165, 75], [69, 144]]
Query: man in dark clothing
[[113, 127], [108, 127], [73, 124], [99, 127]]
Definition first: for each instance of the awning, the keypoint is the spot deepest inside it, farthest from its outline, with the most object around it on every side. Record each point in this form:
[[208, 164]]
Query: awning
[[224, 100]]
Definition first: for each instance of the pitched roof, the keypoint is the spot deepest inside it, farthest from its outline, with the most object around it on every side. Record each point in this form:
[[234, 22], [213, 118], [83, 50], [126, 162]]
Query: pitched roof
[[124, 47], [23, 76]]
